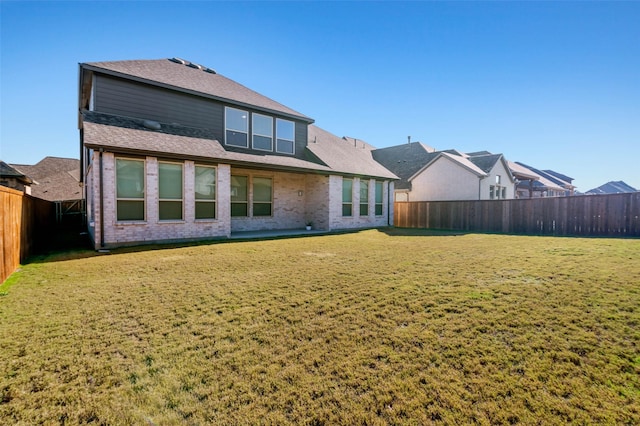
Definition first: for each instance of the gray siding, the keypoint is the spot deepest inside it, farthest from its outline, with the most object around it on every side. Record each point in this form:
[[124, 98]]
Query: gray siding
[[301, 139], [132, 99]]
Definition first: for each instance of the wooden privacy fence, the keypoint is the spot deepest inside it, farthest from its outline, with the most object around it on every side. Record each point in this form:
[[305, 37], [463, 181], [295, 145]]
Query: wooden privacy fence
[[24, 223], [614, 215]]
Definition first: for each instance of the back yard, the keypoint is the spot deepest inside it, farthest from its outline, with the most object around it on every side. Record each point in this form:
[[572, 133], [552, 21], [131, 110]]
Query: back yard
[[375, 327]]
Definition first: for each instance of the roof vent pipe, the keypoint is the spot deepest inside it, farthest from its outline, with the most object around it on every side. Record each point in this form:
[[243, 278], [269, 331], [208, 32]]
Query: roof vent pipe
[[408, 139]]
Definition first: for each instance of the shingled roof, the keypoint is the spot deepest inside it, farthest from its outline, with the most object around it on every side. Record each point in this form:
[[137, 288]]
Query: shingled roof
[[55, 178], [327, 153], [188, 77], [7, 171], [404, 160], [612, 187]]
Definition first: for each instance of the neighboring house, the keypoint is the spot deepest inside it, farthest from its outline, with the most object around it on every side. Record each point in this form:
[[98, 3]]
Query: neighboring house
[[429, 175], [535, 183], [613, 187], [173, 151], [15, 179], [55, 178]]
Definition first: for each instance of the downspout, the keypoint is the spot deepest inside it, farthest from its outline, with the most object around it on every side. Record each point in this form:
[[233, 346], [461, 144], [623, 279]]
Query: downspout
[[101, 203], [389, 204]]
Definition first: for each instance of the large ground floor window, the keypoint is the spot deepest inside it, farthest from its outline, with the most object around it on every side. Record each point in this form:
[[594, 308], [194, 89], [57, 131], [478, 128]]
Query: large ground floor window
[[257, 202], [130, 189]]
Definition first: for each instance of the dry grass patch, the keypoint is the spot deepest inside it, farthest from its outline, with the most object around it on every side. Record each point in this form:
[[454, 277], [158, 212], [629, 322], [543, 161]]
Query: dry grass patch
[[366, 328]]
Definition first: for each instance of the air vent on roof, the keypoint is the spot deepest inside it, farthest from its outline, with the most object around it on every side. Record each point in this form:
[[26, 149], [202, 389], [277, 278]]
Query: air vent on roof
[[209, 70], [178, 61], [151, 125], [196, 66]]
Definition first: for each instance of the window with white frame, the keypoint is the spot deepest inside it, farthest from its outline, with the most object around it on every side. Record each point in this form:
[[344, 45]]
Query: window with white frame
[[262, 196], [130, 189], [239, 196], [170, 191], [285, 136], [236, 127], [205, 192], [492, 192], [347, 197], [378, 198], [262, 132], [364, 198]]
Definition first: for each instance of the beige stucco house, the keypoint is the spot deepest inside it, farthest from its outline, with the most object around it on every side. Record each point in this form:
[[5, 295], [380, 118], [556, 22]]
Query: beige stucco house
[[429, 175]]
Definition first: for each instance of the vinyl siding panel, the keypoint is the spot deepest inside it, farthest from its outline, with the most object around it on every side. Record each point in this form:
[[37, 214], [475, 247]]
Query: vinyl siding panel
[[301, 131], [132, 99]]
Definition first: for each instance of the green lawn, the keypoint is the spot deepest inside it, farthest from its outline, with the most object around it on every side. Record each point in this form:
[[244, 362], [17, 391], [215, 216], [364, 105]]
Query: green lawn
[[369, 328]]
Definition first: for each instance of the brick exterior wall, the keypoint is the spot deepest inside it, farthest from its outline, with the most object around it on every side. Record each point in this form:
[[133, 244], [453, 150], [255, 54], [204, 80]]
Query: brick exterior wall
[[338, 222], [297, 199]]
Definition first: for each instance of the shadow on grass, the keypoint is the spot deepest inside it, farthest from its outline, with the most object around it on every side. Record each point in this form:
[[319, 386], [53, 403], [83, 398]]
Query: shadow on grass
[[421, 232]]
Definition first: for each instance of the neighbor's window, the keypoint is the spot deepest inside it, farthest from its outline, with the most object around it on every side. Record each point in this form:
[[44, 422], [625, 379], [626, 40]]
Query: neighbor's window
[[492, 190], [347, 197], [170, 191], [378, 198], [205, 188], [285, 140], [262, 132], [239, 196], [262, 196], [364, 198], [504, 193], [129, 189], [236, 127]]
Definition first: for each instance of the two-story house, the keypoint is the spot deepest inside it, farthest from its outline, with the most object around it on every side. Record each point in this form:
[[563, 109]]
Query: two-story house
[[174, 151]]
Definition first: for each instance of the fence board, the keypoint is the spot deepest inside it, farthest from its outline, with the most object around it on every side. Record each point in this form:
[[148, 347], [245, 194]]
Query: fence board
[[25, 223], [612, 215]]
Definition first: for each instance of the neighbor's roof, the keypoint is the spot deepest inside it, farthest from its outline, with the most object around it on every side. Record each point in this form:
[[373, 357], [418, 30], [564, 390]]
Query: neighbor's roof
[[485, 162], [404, 160], [548, 180], [55, 178], [8, 171], [560, 176], [613, 187], [128, 135], [192, 78], [540, 182]]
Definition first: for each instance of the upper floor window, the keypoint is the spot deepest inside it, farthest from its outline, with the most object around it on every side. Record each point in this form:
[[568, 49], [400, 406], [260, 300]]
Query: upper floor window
[[129, 189], [236, 127], [262, 132], [170, 191], [205, 188], [285, 136]]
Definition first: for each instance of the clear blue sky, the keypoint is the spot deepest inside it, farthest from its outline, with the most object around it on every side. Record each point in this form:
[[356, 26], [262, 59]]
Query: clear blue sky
[[552, 84]]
